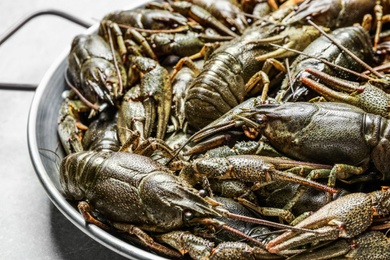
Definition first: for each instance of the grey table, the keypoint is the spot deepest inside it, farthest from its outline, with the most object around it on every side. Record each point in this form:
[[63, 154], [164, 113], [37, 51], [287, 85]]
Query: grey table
[[31, 226]]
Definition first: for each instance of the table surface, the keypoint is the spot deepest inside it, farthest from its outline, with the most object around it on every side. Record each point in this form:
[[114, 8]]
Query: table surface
[[31, 226]]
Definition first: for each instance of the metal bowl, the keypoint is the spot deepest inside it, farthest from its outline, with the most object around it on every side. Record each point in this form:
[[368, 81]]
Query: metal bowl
[[43, 138]]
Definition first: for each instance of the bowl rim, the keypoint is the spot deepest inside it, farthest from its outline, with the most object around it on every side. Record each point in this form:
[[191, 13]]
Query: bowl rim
[[106, 239]]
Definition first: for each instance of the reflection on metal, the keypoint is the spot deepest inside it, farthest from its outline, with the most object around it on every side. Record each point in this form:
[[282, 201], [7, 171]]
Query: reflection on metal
[[8, 33]]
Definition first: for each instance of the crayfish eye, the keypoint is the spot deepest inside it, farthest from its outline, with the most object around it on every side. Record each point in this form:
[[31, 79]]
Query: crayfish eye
[[188, 215], [261, 119], [202, 193]]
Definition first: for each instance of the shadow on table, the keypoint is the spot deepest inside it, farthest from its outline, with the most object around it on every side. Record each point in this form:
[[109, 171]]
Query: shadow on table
[[72, 243]]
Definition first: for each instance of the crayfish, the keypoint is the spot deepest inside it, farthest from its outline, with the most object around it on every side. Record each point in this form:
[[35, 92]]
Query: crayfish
[[151, 77]]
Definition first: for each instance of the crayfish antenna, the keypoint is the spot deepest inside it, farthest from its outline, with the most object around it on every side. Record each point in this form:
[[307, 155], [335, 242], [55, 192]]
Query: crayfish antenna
[[221, 225], [78, 93], [360, 75], [208, 144], [345, 85], [365, 65], [243, 235], [207, 131], [264, 222]]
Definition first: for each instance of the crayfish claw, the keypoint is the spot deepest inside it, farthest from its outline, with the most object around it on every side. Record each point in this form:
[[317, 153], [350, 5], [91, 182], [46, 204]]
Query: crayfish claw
[[185, 242], [345, 217], [291, 239], [239, 250]]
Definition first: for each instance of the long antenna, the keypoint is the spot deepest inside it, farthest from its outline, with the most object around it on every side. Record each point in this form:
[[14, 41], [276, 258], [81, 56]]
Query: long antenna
[[379, 75], [324, 61], [222, 126]]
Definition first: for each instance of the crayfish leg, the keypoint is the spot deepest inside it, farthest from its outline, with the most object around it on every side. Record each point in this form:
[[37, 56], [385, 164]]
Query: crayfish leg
[[187, 61], [70, 128], [261, 81], [140, 39], [380, 20], [267, 211], [338, 172], [106, 29], [186, 242], [145, 239], [85, 209]]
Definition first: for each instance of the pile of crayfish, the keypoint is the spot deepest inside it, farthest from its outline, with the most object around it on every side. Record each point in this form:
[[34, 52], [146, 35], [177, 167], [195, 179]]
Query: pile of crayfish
[[234, 129]]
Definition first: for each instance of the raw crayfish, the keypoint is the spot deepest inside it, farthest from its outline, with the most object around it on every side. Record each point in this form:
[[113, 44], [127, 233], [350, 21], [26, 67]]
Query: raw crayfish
[[118, 180]]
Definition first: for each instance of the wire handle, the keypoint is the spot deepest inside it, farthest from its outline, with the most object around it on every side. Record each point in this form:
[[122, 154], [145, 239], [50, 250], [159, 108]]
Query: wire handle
[[14, 28]]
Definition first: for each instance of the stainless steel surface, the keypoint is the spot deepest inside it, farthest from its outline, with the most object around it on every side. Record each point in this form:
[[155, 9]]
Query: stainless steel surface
[[31, 226]]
